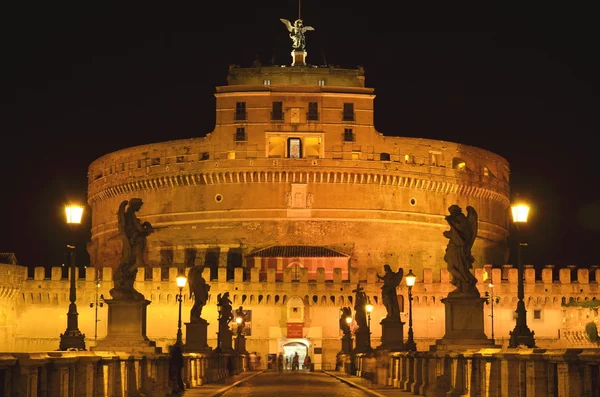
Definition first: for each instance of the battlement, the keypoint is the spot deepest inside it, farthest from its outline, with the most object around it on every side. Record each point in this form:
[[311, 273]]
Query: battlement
[[508, 274]]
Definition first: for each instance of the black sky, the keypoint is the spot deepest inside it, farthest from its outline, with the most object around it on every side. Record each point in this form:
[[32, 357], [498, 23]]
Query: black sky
[[81, 80]]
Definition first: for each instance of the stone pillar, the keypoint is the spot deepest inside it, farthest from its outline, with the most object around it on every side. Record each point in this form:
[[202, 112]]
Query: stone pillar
[[537, 378], [417, 373], [570, 379]]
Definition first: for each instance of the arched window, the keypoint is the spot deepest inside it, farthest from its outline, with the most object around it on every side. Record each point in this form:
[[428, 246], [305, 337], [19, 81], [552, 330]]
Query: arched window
[[295, 270]]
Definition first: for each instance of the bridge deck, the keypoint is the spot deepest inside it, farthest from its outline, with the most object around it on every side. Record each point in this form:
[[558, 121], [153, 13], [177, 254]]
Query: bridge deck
[[313, 384]]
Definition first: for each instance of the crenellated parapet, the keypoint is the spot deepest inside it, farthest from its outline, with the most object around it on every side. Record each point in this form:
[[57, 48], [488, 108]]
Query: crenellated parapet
[[256, 287]]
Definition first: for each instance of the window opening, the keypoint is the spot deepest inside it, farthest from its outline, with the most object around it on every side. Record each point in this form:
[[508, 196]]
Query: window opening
[[294, 148], [277, 113]]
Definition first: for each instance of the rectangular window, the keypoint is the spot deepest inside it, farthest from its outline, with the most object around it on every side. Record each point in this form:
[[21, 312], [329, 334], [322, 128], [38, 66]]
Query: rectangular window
[[240, 134], [277, 113], [321, 83], [313, 111], [267, 82], [537, 314], [294, 148], [240, 111], [348, 114], [348, 135]]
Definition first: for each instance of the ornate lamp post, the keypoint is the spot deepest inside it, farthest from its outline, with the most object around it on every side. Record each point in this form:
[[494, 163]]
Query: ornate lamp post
[[521, 334], [181, 281], [99, 302], [369, 309], [240, 320], [491, 299], [410, 278], [72, 339]]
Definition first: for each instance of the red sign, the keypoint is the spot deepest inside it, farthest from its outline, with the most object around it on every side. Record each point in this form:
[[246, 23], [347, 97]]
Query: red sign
[[294, 330]]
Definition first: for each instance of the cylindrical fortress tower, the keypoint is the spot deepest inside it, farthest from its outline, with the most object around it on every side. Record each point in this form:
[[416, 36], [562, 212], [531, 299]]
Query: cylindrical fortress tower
[[295, 160]]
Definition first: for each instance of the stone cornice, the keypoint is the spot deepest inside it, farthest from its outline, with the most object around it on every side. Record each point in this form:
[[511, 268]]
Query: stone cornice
[[410, 180]]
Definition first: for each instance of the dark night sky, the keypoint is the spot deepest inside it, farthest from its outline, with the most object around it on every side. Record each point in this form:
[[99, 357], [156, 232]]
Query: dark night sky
[[81, 80]]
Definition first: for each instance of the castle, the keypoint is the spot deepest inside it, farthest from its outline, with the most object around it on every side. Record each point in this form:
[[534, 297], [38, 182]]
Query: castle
[[292, 200], [33, 310]]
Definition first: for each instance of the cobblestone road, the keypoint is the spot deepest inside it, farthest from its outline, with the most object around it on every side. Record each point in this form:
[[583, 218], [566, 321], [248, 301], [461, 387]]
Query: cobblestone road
[[315, 384]]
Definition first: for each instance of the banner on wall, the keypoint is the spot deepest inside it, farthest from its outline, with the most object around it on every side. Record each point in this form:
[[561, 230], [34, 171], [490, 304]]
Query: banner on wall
[[294, 330]]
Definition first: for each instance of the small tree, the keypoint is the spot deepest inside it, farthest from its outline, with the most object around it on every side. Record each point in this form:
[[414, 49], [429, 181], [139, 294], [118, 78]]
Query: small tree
[[592, 332]]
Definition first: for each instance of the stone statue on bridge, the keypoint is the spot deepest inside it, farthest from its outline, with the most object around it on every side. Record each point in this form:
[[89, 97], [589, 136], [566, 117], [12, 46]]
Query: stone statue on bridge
[[391, 280], [345, 312], [461, 236], [225, 309], [198, 291], [133, 235]]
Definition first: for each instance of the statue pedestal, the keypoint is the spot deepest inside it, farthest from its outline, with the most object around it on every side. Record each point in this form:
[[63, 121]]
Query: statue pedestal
[[240, 344], [464, 324], [299, 58], [347, 344], [195, 337], [363, 341], [392, 336], [224, 340], [126, 331]]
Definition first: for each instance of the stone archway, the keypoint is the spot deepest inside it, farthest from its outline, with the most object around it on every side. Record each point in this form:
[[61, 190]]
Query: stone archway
[[292, 347]]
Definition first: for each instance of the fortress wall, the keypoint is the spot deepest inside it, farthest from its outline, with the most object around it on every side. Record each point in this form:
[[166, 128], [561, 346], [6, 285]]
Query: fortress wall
[[186, 157], [40, 305], [387, 201]]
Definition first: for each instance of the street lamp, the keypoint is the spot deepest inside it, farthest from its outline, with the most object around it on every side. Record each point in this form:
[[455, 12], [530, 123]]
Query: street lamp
[[410, 279], [521, 335], [72, 339], [240, 320], [491, 299], [181, 281], [369, 309], [98, 303]]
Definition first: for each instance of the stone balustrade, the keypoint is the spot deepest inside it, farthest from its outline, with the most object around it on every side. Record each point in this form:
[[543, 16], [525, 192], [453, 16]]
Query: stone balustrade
[[100, 374], [487, 372]]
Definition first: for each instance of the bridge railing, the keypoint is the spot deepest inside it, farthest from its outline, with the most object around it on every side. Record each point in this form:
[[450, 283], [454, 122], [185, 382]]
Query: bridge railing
[[485, 372], [103, 374]]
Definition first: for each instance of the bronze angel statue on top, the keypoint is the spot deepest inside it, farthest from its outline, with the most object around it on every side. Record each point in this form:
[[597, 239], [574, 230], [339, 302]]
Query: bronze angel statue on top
[[461, 236], [297, 31]]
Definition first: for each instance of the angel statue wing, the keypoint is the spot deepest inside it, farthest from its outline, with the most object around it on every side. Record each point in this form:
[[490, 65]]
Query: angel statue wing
[[192, 280], [472, 219], [308, 28], [121, 216], [398, 276], [287, 24]]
